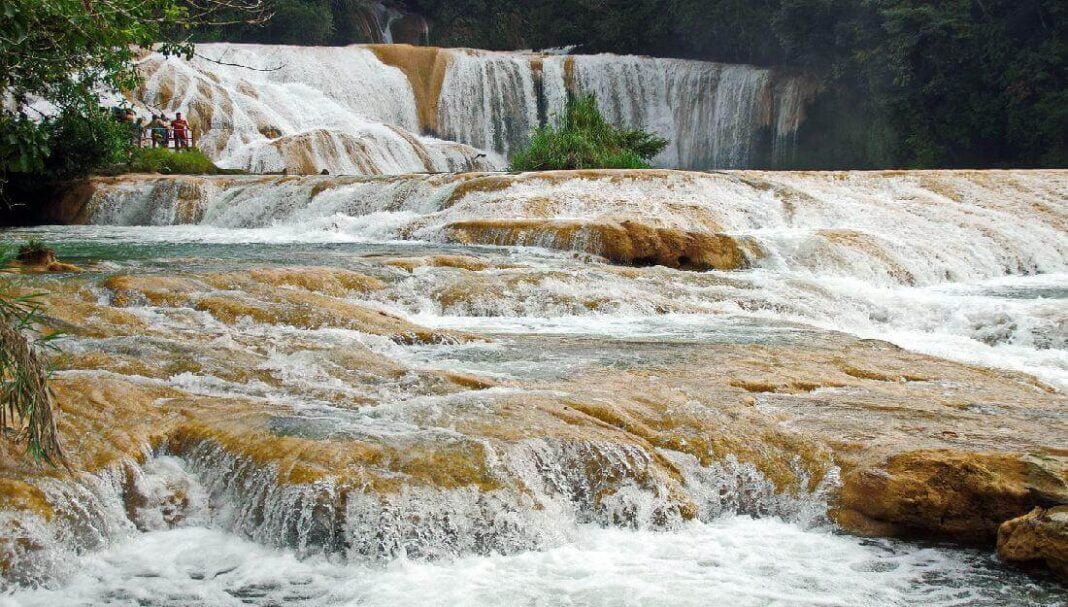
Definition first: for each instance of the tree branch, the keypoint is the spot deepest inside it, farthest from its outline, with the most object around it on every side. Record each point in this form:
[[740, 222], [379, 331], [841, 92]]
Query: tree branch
[[247, 67]]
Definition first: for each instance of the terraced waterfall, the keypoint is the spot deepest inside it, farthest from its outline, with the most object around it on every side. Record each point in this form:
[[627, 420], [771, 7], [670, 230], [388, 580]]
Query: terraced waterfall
[[648, 388], [392, 109]]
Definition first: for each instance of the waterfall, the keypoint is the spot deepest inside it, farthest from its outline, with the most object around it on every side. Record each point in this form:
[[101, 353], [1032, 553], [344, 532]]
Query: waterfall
[[488, 101], [391, 109], [299, 109], [882, 228]]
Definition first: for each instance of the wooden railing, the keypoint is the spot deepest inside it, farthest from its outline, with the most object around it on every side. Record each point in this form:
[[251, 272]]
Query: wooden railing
[[153, 138]]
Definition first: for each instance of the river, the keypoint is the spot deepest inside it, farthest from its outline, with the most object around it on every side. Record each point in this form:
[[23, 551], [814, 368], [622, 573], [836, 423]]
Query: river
[[324, 391]]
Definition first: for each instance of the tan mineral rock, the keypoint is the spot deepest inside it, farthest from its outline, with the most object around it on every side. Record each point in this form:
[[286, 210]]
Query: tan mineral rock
[[959, 494], [912, 437], [1038, 536], [628, 241]]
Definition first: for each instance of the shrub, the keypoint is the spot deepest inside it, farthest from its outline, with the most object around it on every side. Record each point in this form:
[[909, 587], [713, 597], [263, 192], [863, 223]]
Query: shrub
[[585, 140], [171, 162], [81, 142]]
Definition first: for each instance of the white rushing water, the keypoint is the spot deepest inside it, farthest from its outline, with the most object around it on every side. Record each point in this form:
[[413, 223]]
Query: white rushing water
[[735, 561], [303, 109], [181, 558], [274, 108], [969, 266]]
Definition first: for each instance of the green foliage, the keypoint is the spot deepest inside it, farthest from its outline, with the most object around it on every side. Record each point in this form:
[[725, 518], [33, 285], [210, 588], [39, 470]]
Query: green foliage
[[585, 140], [308, 22], [62, 53], [622, 26], [298, 22], [70, 145], [26, 403], [83, 140], [170, 162], [58, 56]]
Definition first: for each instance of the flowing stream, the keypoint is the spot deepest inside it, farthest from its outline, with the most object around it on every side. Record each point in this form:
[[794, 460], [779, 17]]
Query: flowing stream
[[188, 293]]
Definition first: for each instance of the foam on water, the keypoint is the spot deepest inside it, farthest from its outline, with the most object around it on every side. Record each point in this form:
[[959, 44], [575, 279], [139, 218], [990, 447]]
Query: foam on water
[[736, 561], [965, 266]]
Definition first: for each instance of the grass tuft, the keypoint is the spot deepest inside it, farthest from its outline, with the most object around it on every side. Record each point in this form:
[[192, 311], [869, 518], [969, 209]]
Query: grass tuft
[[34, 252]]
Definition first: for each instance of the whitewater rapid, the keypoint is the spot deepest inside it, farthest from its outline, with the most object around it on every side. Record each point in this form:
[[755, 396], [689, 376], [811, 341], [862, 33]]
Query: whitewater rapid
[[971, 266], [524, 396], [736, 561]]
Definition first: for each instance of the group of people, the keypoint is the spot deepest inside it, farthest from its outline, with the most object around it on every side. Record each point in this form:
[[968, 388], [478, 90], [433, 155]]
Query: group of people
[[160, 131]]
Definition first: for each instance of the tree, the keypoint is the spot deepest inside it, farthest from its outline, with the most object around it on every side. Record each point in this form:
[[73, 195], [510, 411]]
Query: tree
[[57, 57], [585, 140], [307, 22]]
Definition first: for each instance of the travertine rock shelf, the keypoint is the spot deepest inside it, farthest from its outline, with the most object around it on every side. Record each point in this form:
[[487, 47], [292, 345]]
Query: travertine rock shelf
[[443, 365]]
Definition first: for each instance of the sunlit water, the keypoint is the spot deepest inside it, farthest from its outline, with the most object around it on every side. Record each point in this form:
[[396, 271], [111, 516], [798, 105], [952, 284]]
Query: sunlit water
[[547, 331]]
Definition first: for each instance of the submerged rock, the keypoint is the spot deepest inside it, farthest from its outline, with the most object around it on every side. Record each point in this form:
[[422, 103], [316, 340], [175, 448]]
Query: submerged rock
[[39, 260]]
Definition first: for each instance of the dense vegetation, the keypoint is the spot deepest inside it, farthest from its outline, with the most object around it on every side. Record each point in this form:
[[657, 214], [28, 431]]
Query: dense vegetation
[[957, 83], [585, 140], [314, 22], [57, 57]]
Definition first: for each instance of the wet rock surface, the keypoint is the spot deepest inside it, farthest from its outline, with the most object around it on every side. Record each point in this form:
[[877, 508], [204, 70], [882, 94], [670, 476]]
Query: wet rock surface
[[536, 361], [193, 365], [1039, 536]]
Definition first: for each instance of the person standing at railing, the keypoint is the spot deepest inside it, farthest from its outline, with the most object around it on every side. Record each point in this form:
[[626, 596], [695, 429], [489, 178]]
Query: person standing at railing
[[166, 130], [181, 131], [137, 132], [157, 130]]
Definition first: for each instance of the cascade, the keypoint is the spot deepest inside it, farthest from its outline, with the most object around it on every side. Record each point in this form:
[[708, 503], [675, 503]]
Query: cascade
[[312, 388], [883, 228], [390, 109], [878, 236], [421, 379], [300, 110], [488, 100]]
